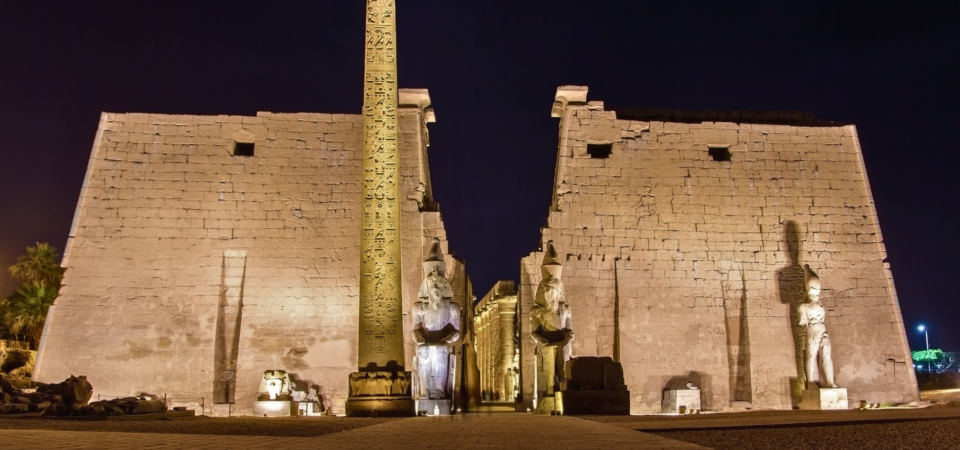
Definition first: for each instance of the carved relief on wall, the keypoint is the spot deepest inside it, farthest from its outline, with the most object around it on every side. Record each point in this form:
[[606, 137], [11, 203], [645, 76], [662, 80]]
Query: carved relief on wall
[[380, 282], [365, 384]]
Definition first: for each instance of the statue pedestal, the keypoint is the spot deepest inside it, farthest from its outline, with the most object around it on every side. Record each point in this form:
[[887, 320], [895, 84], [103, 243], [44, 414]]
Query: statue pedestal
[[222, 409], [274, 408], [309, 409], [593, 385], [674, 399], [431, 406], [594, 402], [824, 398]]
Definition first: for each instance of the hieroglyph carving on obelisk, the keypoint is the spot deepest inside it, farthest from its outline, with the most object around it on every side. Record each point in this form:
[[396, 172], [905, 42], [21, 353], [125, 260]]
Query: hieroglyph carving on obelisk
[[381, 326]]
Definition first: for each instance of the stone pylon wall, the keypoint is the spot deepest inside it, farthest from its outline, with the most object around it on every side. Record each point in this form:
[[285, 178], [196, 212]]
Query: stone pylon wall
[[165, 206], [695, 265]]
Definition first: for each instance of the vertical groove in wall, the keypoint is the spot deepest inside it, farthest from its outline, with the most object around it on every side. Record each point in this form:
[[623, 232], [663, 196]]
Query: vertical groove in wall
[[616, 309], [229, 320]]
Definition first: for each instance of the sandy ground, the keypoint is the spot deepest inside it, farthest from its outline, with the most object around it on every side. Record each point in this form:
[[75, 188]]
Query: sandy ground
[[932, 434], [942, 397]]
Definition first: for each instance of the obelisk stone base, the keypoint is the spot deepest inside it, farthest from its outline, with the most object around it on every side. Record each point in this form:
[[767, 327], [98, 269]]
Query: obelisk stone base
[[380, 394], [381, 406]]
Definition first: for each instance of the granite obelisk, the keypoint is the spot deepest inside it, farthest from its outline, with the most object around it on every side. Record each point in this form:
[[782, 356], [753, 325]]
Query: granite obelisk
[[381, 386]]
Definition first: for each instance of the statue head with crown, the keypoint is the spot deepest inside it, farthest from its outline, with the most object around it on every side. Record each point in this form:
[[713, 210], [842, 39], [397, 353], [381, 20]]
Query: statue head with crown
[[551, 325]]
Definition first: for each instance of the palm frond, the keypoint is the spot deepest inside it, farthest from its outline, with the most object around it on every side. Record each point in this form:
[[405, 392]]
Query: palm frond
[[38, 264], [26, 310]]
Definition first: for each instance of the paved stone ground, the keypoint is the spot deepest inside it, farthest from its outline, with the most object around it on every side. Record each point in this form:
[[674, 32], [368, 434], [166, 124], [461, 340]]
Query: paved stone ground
[[926, 435], [775, 419], [893, 429], [469, 431], [234, 426]]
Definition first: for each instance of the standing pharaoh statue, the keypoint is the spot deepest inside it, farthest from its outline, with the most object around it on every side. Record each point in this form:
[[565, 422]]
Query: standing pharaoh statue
[[818, 349], [436, 327], [551, 326]]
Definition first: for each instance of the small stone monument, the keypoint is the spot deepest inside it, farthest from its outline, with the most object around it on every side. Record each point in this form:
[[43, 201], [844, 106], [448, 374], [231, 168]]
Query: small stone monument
[[821, 392], [273, 399], [436, 327], [681, 401], [551, 328]]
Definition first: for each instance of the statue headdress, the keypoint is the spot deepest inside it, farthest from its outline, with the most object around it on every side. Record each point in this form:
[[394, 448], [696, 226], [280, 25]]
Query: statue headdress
[[551, 263], [810, 278], [435, 259]]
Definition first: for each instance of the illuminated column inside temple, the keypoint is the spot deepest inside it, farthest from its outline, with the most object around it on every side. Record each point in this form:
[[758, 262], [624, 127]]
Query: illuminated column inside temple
[[381, 386]]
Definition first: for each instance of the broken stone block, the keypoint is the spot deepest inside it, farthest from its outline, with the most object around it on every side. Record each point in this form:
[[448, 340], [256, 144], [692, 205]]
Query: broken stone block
[[74, 391], [14, 408]]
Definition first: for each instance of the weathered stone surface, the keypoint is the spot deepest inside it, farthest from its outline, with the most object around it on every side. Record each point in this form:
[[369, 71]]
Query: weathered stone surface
[[153, 258], [684, 267]]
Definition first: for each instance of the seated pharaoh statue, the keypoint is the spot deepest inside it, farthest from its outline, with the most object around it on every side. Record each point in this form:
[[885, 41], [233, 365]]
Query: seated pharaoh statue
[[436, 327], [812, 314], [551, 326]]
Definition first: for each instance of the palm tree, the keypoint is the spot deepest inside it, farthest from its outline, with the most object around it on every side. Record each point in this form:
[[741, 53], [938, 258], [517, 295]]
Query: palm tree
[[26, 310], [38, 265], [4, 329]]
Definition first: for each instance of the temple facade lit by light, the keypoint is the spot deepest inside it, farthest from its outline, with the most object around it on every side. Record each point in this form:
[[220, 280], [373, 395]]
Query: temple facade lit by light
[[208, 250]]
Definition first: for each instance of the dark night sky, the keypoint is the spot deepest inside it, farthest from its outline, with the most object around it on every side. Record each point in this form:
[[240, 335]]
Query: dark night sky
[[492, 67]]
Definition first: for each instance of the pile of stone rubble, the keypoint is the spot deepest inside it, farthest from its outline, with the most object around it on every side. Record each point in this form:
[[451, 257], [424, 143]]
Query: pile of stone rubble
[[51, 399], [72, 398], [122, 406], [16, 365]]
